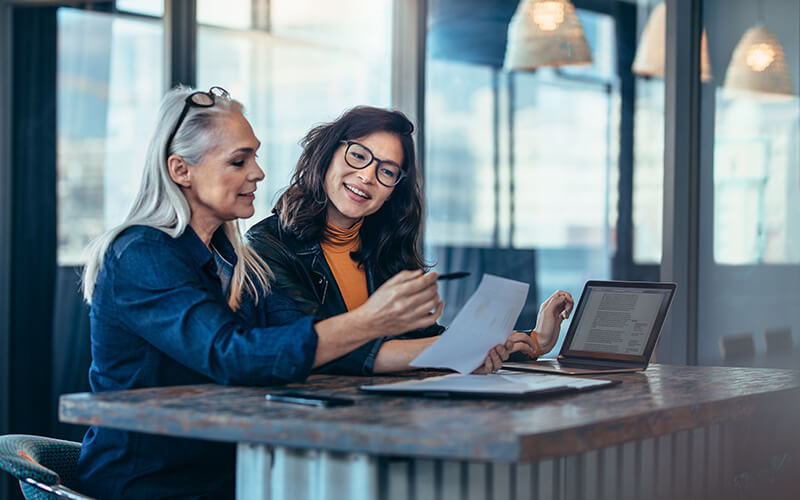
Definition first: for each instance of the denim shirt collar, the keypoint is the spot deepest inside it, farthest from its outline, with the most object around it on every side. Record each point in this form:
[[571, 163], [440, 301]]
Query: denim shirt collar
[[197, 250]]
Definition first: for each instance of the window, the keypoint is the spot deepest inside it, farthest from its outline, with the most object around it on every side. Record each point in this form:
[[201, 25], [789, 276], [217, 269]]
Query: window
[[648, 170], [307, 66], [146, 7], [110, 82], [520, 168], [749, 259], [756, 180]]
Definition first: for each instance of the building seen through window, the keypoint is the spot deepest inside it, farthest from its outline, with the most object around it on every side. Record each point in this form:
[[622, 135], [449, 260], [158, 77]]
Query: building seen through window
[[109, 83]]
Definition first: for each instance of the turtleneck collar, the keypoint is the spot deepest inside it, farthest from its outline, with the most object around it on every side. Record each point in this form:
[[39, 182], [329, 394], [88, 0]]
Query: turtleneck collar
[[342, 237]]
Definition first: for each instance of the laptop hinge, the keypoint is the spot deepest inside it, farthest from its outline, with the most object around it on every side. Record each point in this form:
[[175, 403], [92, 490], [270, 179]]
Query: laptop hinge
[[565, 360]]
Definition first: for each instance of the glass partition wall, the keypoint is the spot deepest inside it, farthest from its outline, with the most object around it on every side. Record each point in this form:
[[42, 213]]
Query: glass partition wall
[[749, 259], [547, 172]]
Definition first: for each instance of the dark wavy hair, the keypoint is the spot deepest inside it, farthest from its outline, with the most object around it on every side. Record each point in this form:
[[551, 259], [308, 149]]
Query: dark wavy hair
[[390, 236]]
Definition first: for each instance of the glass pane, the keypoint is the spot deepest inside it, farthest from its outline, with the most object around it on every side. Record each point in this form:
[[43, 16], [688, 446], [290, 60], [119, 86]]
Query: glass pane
[[750, 185], [230, 13], [346, 24], [648, 170], [562, 177], [147, 7], [109, 85], [522, 169], [549, 122], [648, 129], [288, 84], [459, 175], [755, 181]]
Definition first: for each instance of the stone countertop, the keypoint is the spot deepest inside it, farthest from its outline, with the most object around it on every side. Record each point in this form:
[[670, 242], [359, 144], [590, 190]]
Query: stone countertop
[[660, 400]]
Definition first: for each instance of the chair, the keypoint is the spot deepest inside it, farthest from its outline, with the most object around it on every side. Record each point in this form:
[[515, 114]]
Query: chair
[[778, 340], [42, 465], [737, 346]]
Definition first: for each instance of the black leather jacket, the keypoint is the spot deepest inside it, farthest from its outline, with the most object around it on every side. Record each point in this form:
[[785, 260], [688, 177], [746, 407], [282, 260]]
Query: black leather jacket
[[303, 273]]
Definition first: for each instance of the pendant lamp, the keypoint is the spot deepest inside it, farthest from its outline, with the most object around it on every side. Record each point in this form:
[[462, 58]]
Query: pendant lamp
[[545, 33], [758, 65], [651, 52]]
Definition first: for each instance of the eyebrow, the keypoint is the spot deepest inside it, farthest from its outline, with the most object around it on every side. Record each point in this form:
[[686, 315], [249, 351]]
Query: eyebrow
[[244, 150], [392, 162]]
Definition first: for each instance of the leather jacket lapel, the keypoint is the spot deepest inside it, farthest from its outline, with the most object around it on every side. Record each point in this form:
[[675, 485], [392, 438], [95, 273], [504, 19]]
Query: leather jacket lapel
[[327, 292], [319, 274]]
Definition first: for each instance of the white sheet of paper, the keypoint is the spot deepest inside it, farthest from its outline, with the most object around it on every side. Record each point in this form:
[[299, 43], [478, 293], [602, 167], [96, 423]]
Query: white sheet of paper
[[485, 321]]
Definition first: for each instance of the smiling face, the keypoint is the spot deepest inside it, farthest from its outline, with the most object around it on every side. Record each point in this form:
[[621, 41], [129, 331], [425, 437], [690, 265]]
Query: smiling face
[[221, 186], [354, 194]]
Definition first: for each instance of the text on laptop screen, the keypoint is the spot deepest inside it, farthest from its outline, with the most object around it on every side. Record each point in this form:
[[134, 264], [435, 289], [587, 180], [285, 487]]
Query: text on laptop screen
[[618, 320]]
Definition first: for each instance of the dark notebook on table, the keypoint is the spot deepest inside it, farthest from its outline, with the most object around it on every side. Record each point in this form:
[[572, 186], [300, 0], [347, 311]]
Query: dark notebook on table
[[614, 329], [505, 384]]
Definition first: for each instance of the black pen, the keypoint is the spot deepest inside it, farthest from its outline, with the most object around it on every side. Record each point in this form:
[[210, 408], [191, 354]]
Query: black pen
[[453, 276]]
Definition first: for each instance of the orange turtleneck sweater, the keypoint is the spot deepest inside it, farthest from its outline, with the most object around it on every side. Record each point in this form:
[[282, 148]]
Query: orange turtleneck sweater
[[352, 280]]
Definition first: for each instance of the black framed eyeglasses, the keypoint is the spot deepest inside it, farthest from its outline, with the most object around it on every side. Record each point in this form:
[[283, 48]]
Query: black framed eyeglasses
[[198, 99], [358, 156]]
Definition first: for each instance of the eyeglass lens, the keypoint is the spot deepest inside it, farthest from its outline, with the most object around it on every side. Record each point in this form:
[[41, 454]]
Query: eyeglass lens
[[358, 156], [206, 99], [202, 99]]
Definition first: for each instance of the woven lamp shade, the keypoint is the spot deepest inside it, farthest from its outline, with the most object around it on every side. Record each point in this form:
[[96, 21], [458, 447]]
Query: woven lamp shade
[[545, 33], [651, 52], [758, 64]]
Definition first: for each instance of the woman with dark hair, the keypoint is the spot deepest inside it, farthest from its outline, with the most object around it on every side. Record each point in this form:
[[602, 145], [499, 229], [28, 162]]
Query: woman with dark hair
[[349, 221]]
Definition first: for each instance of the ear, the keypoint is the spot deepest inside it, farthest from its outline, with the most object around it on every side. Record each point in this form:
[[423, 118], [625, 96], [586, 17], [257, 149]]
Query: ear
[[179, 171]]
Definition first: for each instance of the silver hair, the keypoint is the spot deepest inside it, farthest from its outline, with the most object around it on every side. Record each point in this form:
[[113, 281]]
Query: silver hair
[[161, 204]]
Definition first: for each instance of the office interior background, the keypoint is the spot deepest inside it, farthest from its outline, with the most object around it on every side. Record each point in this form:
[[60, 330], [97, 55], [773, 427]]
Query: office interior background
[[683, 167]]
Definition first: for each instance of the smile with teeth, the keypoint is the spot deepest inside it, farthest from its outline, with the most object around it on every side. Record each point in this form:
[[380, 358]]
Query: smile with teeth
[[357, 191]]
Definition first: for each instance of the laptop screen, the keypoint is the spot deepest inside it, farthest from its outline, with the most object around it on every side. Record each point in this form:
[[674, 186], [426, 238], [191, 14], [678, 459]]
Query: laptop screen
[[618, 320]]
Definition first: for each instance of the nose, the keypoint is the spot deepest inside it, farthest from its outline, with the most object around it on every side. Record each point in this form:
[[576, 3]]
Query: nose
[[257, 174], [368, 174]]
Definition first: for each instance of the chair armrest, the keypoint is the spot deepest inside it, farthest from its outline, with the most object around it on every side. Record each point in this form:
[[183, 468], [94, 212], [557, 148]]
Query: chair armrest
[[58, 490]]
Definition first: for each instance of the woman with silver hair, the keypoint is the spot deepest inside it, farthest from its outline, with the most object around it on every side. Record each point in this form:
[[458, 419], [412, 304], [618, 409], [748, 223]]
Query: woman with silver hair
[[178, 297]]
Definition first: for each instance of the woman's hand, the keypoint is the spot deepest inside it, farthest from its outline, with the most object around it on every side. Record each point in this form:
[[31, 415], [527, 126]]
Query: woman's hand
[[409, 300], [517, 341], [551, 313], [493, 361]]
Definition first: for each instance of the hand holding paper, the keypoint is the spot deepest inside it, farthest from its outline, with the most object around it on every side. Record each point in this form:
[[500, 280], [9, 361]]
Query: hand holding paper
[[485, 321]]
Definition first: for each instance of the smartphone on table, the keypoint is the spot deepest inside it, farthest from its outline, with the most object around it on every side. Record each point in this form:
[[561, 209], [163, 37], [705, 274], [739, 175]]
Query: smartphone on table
[[304, 399]]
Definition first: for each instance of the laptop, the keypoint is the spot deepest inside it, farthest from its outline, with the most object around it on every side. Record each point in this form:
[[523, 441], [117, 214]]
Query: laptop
[[614, 329]]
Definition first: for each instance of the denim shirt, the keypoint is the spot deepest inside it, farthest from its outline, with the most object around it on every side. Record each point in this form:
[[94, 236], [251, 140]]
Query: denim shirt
[[159, 317]]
